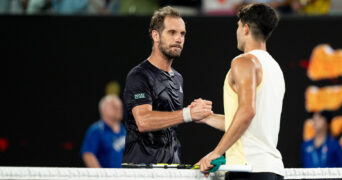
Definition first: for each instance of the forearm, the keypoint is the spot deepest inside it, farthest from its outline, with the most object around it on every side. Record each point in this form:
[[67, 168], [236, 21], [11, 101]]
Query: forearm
[[216, 121], [90, 160], [149, 120], [157, 120], [240, 123]]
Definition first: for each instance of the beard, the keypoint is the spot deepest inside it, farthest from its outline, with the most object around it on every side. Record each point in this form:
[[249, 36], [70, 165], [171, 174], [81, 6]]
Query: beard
[[168, 52]]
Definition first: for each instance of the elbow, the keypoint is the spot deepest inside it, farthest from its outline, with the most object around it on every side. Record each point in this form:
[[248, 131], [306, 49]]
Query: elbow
[[143, 115], [87, 156], [249, 113], [141, 125], [141, 129]]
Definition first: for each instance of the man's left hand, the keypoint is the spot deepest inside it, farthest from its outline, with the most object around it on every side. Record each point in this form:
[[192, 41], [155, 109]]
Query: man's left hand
[[205, 163]]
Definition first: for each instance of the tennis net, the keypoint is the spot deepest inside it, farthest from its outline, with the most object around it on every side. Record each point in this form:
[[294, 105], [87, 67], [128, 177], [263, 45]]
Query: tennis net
[[44, 173]]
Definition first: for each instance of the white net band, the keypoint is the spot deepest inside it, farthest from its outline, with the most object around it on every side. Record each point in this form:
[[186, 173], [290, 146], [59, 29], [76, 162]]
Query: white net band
[[97, 173], [313, 173], [37, 173]]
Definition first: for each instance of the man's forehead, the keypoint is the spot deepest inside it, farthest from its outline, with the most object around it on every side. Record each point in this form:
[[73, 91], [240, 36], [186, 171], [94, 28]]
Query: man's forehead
[[174, 22]]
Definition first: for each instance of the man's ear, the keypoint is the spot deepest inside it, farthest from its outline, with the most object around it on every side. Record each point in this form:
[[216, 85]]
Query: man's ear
[[155, 36], [246, 29]]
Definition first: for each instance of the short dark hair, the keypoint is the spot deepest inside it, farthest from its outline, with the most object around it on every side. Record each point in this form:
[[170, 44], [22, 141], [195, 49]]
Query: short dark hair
[[261, 18], [157, 20]]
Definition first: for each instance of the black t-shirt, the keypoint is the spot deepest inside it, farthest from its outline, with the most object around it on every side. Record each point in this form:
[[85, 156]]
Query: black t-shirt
[[146, 84]]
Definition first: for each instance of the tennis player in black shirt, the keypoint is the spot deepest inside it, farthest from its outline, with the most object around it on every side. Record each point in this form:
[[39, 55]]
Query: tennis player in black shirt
[[153, 96]]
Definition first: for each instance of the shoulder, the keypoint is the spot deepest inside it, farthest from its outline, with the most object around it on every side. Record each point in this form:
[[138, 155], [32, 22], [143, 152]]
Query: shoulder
[[138, 75], [246, 60], [96, 127], [138, 71], [243, 66], [177, 74], [123, 129], [333, 141]]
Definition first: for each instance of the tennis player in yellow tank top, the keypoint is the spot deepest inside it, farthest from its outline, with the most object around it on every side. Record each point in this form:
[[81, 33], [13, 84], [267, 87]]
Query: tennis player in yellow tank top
[[253, 93]]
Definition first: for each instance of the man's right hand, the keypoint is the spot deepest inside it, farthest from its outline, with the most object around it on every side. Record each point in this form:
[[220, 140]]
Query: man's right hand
[[200, 109]]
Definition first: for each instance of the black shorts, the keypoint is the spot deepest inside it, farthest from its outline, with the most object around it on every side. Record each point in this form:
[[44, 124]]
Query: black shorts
[[254, 176]]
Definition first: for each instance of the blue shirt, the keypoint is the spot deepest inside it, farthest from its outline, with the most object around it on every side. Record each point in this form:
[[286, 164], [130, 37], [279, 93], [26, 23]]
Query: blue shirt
[[329, 154], [105, 144]]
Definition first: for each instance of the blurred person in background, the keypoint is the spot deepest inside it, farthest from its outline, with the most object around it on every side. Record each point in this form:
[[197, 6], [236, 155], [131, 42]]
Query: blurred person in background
[[13, 6], [273, 3], [335, 7], [323, 150], [5, 6], [104, 142], [138, 7], [39, 6], [230, 7], [222, 7], [282, 6], [103, 7], [185, 7], [69, 6], [73, 7], [311, 7], [307, 7]]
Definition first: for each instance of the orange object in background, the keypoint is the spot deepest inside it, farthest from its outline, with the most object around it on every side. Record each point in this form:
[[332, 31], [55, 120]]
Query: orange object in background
[[336, 126], [308, 130], [325, 63], [326, 98]]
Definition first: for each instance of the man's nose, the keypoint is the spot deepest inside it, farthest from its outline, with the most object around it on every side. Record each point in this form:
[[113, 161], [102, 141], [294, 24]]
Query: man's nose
[[178, 38]]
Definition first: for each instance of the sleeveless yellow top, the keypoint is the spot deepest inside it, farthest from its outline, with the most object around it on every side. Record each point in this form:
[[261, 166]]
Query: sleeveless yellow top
[[258, 144], [235, 154]]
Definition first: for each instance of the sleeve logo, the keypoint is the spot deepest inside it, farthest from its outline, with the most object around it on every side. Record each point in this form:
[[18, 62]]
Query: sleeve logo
[[140, 96]]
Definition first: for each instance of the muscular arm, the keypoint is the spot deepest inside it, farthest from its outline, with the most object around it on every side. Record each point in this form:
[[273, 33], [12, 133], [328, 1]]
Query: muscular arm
[[90, 160], [148, 120], [216, 121], [245, 77]]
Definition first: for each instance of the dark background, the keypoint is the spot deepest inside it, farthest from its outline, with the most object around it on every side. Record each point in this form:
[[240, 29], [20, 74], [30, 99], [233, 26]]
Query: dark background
[[56, 69]]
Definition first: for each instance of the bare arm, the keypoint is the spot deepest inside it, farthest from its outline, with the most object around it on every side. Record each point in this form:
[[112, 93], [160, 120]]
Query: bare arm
[[148, 120], [216, 121], [245, 77], [90, 160]]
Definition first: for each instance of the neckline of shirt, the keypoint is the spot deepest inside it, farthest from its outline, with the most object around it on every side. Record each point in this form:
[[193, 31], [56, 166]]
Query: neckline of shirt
[[171, 74]]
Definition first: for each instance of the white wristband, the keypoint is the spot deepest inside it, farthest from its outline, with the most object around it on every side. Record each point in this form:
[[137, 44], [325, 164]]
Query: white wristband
[[187, 115]]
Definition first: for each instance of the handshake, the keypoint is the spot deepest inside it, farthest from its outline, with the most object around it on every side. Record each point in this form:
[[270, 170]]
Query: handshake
[[198, 110]]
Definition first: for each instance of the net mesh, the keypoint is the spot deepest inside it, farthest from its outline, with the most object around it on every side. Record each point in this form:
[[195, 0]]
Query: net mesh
[[39, 173]]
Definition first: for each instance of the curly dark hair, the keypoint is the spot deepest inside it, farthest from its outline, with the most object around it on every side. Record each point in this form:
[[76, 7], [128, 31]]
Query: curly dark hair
[[261, 18]]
